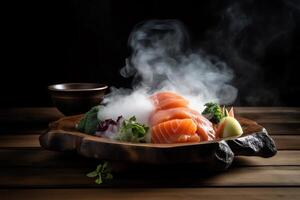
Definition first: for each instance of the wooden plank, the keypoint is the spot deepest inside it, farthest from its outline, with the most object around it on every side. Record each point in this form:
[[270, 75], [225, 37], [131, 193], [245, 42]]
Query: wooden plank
[[245, 109], [277, 120], [283, 142], [282, 129], [44, 158], [280, 117], [287, 142], [19, 141], [282, 158], [29, 115], [153, 193], [272, 128], [268, 176], [18, 119], [21, 130], [262, 119]]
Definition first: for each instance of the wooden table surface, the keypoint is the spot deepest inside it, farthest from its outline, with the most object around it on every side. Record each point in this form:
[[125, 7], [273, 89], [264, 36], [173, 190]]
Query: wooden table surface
[[30, 172]]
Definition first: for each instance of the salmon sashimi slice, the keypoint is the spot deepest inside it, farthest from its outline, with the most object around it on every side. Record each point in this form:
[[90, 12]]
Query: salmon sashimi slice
[[173, 121], [188, 138], [159, 96], [204, 126], [169, 114], [166, 100], [172, 103], [175, 131]]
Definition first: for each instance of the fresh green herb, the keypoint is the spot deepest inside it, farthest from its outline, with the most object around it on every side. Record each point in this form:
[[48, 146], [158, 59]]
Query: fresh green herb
[[102, 172], [132, 131], [213, 112], [90, 121]]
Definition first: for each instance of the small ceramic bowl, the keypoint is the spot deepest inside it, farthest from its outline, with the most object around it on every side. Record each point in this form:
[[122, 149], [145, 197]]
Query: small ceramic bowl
[[76, 98]]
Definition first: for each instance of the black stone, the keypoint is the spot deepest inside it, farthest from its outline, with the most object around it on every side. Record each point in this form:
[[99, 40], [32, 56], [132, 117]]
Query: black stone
[[255, 144]]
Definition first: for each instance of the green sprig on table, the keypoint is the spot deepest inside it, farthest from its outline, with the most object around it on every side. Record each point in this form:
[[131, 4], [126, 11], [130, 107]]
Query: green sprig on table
[[102, 172]]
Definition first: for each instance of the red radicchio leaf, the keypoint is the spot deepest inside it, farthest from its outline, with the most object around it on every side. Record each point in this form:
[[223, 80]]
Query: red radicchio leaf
[[108, 127]]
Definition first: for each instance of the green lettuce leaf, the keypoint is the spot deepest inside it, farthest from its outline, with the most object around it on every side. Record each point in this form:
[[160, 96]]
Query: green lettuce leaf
[[90, 121], [132, 131], [213, 112]]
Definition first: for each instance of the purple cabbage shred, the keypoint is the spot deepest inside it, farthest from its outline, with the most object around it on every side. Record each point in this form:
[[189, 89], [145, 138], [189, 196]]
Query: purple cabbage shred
[[109, 127]]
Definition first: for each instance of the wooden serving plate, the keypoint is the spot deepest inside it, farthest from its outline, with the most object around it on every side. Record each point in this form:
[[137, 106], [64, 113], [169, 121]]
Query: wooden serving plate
[[255, 141]]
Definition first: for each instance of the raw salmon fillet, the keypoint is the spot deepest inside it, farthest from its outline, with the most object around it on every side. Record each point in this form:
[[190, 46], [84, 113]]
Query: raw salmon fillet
[[166, 100], [165, 95], [204, 126], [175, 131], [169, 114], [174, 122]]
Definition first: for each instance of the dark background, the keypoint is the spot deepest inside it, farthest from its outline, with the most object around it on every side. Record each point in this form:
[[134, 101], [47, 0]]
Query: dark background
[[47, 42]]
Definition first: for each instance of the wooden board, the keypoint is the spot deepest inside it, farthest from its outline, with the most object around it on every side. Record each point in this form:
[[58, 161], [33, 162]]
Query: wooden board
[[53, 159], [29, 120], [265, 193], [19, 141], [63, 136], [30, 172], [69, 177]]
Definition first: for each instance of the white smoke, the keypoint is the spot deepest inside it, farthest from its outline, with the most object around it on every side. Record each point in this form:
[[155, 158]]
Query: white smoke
[[162, 60], [123, 103]]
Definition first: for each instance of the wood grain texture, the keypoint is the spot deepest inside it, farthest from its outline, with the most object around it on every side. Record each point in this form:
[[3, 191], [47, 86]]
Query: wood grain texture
[[29, 115], [283, 142], [26, 120], [30, 172], [282, 128], [277, 120], [154, 193], [287, 142], [19, 141], [63, 136], [52, 159], [272, 128], [156, 177]]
